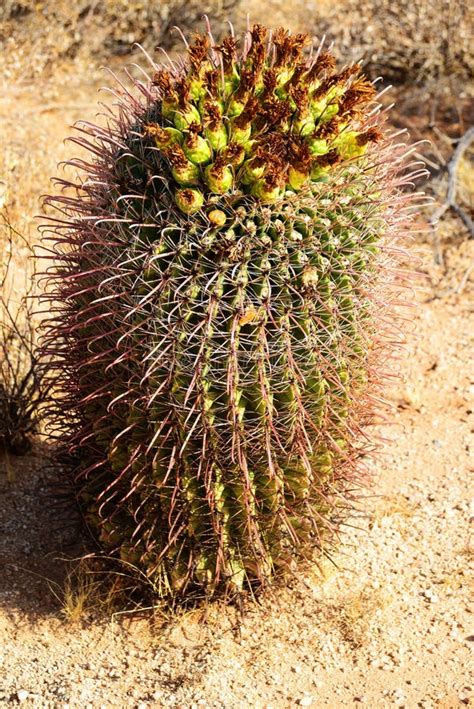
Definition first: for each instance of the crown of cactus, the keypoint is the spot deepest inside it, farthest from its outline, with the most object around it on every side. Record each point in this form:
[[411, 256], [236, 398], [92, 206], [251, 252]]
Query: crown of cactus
[[220, 292]]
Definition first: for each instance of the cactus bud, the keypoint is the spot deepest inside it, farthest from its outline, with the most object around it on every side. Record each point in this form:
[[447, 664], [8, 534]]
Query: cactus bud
[[164, 137], [241, 135], [297, 178], [217, 137], [241, 125], [217, 217], [183, 170], [268, 189], [182, 119], [348, 146], [195, 147], [189, 200], [235, 154], [218, 176], [214, 128]]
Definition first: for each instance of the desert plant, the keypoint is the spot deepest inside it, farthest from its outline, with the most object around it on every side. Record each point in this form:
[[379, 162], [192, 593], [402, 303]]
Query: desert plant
[[220, 290], [23, 389]]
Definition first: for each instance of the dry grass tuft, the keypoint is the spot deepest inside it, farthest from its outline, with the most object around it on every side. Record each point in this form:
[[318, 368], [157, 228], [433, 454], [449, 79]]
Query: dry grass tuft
[[78, 596], [390, 506], [357, 614]]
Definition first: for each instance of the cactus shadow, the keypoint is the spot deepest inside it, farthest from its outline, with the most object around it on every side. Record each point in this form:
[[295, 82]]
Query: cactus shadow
[[37, 535]]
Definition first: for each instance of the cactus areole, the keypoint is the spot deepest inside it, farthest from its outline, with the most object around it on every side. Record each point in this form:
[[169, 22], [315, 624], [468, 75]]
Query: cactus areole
[[221, 281]]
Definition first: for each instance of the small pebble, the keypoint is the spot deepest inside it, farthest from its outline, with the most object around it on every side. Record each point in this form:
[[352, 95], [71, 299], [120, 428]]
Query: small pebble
[[22, 695]]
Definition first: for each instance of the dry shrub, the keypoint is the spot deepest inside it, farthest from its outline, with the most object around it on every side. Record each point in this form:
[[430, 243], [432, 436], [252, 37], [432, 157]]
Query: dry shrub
[[60, 29], [403, 40], [22, 384]]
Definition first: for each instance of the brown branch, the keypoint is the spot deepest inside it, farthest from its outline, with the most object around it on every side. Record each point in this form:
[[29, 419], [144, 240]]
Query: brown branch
[[450, 201]]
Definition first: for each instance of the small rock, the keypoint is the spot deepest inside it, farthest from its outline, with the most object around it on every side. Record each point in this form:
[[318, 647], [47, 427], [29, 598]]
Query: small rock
[[360, 698], [465, 696], [306, 701], [22, 695], [296, 669]]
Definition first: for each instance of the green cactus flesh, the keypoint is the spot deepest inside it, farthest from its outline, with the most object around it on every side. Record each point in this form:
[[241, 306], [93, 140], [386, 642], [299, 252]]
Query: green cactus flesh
[[219, 337]]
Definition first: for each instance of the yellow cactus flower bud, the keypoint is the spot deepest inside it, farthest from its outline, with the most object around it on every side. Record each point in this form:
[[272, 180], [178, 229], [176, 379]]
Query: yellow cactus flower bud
[[183, 119], [349, 146], [219, 177], [241, 135], [297, 178], [252, 172], [217, 217], [265, 191], [304, 125], [318, 146], [217, 137], [189, 200], [164, 137], [196, 148], [183, 170]]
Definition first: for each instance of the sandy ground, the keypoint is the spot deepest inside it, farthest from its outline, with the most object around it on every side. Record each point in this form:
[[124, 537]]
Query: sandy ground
[[392, 626]]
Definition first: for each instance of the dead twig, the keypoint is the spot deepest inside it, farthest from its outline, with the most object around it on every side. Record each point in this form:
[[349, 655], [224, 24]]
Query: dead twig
[[464, 279], [450, 201]]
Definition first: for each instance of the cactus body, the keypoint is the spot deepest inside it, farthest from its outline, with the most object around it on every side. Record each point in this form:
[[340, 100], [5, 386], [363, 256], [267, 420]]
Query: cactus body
[[218, 328]]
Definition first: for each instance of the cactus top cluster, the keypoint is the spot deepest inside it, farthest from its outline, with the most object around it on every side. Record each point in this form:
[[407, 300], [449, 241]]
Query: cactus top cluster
[[260, 122]]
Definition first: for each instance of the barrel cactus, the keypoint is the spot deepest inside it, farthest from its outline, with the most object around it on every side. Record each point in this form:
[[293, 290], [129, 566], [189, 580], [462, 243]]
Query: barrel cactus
[[221, 278]]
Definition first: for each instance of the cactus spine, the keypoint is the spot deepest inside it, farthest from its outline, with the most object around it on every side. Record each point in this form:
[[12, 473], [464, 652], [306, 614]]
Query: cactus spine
[[219, 308]]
